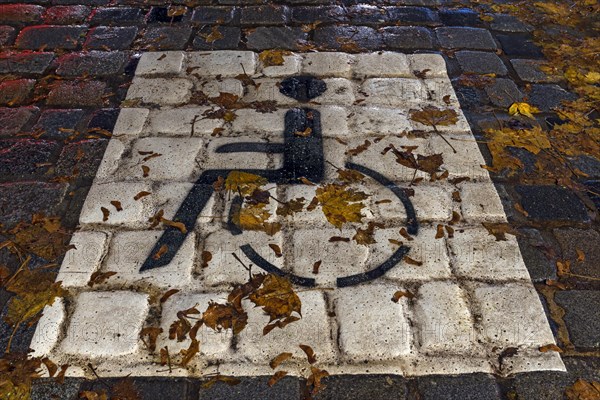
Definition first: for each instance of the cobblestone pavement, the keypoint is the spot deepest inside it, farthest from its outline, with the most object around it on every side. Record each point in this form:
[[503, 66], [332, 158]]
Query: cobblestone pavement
[[67, 68]]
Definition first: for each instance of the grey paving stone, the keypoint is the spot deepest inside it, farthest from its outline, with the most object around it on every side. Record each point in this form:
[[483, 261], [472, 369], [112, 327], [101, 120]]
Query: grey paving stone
[[541, 385], [412, 15], [587, 164], [214, 15], [166, 37], [12, 120], [230, 40], [478, 62], [117, 16], [549, 96], [582, 316], [77, 94], [310, 14], [519, 46], [336, 37], [58, 124], [50, 37], [529, 71], [160, 389], [460, 17], [25, 63], [16, 92], [18, 14], [471, 98], [508, 23], [364, 14], [408, 37], [94, 63], [552, 203], [583, 367], [81, 158], [256, 388], [26, 158], [464, 387], [504, 92], [112, 38], [263, 38], [44, 389], [586, 240], [27, 195], [103, 119], [7, 35], [65, 15], [465, 38], [539, 265], [594, 188], [348, 387], [265, 15], [158, 14]]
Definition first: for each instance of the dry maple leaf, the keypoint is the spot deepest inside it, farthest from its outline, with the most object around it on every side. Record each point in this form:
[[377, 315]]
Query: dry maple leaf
[[180, 328], [523, 109], [291, 207], [225, 316], [366, 236], [350, 175], [277, 298], [434, 117], [273, 57], [43, 237], [244, 183], [341, 204]]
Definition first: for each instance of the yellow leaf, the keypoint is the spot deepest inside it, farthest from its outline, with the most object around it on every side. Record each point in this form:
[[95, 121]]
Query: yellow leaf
[[583, 390], [243, 182], [523, 109], [273, 57], [341, 204]]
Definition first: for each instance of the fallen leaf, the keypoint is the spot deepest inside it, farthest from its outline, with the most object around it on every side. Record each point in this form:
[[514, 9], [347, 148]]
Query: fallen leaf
[[190, 352], [291, 207], [176, 225], [225, 316], [273, 57], [125, 389], [411, 261], [440, 232], [583, 390], [168, 294], [550, 347], [313, 383], [433, 116], [105, 213], [243, 182], [335, 239], [405, 234], [340, 204], [99, 277], [275, 362], [276, 249], [229, 380], [140, 195], [499, 230], [523, 109], [145, 171], [316, 266], [357, 150], [161, 252], [117, 205], [580, 255], [17, 371], [366, 236], [399, 294], [278, 300], [310, 353], [563, 267], [556, 284], [305, 133], [206, 258], [277, 376]]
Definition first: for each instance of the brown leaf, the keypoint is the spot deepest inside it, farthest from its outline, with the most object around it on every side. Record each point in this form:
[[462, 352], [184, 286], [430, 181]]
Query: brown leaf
[[145, 171], [499, 230], [177, 225], [219, 184], [213, 36], [105, 213], [273, 57], [316, 266], [335, 239], [399, 294], [357, 150], [190, 352], [556, 284], [450, 231], [410, 261], [550, 347], [168, 294], [440, 232], [291, 207], [305, 133], [225, 316], [276, 249], [313, 383], [206, 258], [277, 376], [434, 116], [520, 209], [50, 366], [580, 255], [456, 196], [117, 205], [310, 353], [405, 234], [161, 252], [92, 395], [140, 195], [99, 277], [350, 175], [152, 333], [366, 236], [226, 100], [279, 359], [229, 380], [180, 328], [306, 181], [563, 267], [455, 218], [583, 390], [278, 300], [17, 372]]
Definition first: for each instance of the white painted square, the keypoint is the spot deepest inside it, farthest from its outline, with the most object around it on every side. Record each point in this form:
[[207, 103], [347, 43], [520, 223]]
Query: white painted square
[[448, 322]]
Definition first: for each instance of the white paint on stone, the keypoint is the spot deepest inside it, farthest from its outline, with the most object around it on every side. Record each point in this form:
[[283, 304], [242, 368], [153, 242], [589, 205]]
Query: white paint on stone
[[463, 313], [48, 328], [105, 324]]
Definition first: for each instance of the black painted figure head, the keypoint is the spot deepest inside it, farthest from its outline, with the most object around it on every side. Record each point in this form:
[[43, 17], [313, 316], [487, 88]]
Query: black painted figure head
[[303, 88]]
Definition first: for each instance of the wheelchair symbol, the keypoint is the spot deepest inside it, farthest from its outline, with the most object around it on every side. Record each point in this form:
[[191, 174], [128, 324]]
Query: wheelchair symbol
[[302, 158]]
